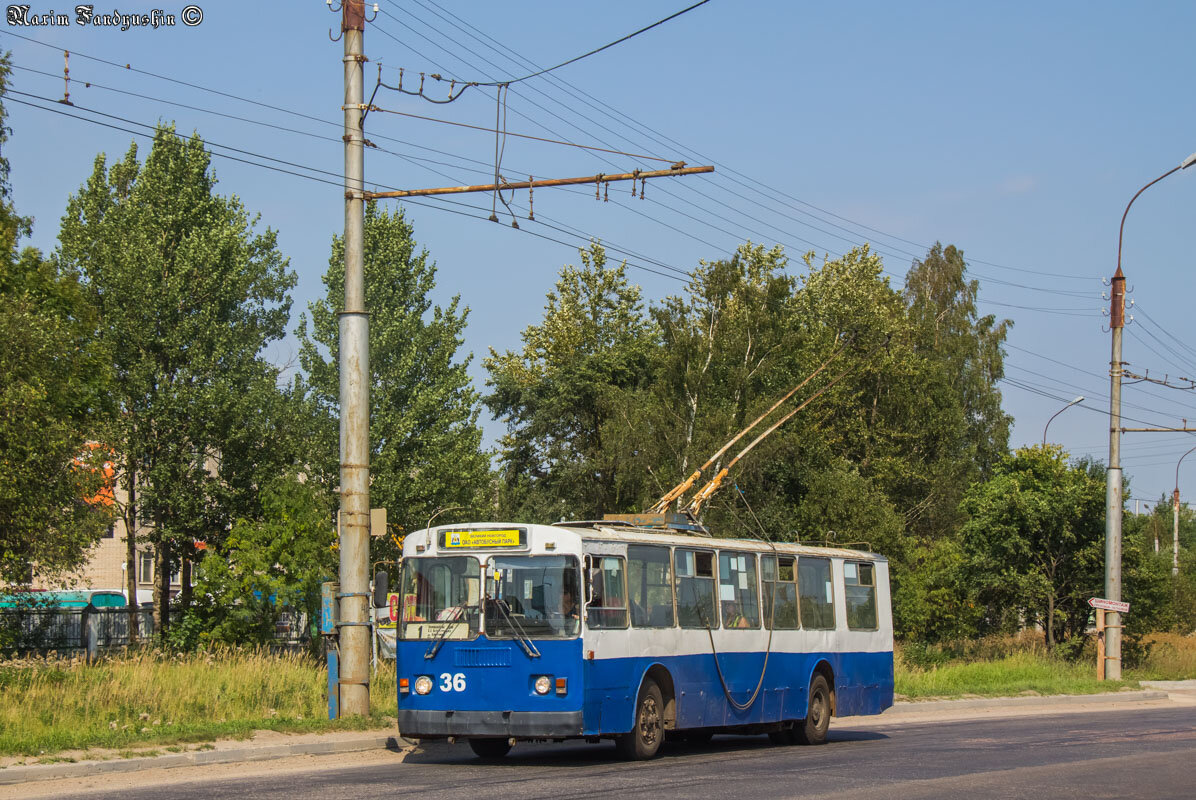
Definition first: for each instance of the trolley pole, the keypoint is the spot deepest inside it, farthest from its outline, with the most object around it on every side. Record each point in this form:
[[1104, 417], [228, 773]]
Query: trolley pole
[[354, 361]]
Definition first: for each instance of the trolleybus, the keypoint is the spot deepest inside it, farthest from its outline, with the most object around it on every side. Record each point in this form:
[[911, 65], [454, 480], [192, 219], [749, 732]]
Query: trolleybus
[[599, 630]]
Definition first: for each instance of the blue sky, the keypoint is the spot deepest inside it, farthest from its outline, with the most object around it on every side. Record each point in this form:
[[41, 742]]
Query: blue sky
[[1015, 131]]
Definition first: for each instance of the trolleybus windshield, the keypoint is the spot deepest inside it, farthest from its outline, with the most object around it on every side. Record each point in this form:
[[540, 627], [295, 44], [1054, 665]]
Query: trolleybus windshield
[[533, 596], [441, 597]]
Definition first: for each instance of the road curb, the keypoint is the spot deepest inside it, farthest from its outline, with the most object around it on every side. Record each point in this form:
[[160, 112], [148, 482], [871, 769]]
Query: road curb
[[907, 706], [82, 769]]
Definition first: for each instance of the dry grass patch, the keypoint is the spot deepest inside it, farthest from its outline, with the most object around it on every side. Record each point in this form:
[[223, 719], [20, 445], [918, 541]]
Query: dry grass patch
[[148, 697]]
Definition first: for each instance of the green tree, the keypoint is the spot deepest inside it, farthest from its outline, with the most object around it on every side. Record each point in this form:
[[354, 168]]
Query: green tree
[[424, 437], [1035, 539], [566, 398], [965, 348], [269, 564], [188, 295], [52, 387], [725, 353]]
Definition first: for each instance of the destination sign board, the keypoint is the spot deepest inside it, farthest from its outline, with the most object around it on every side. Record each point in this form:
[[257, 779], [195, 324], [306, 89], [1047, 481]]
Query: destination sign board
[[1109, 605], [483, 539]]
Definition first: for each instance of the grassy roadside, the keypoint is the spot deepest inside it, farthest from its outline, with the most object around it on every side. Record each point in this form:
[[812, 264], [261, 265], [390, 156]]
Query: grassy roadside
[[147, 698], [1020, 665]]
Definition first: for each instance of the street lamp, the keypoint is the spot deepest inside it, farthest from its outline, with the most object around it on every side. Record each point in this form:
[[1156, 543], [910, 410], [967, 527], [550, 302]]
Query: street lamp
[[1079, 399], [1175, 518], [1113, 476]]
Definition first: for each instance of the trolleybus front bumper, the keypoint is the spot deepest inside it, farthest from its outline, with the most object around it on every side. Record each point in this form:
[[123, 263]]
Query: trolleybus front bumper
[[517, 724]]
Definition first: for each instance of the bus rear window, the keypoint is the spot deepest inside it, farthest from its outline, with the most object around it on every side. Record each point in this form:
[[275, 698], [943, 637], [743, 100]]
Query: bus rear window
[[859, 581]]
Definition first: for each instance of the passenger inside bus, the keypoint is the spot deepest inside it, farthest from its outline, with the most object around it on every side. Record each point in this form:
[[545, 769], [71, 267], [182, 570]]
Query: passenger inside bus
[[733, 616]]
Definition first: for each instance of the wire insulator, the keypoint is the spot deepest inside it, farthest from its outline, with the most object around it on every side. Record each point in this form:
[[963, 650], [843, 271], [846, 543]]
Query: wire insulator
[[530, 211]]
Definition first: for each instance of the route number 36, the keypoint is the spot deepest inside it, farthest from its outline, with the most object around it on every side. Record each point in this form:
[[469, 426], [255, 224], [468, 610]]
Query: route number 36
[[452, 683]]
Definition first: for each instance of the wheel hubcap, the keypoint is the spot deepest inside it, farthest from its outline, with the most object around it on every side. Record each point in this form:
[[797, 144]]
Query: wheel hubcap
[[818, 709], [649, 721]]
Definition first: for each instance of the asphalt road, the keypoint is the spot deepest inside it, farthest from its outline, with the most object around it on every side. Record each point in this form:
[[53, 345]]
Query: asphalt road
[[1119, 754]]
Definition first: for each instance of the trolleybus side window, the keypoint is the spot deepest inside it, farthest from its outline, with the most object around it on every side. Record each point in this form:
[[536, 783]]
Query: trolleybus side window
[[696, 607], [650, 583], [859, 579], [817, 593], [607, 604], [781, 585], [737, 590]]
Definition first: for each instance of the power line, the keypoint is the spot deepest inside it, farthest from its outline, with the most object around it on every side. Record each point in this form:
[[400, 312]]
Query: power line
[[298, 174], [595, 51], [661, 139]]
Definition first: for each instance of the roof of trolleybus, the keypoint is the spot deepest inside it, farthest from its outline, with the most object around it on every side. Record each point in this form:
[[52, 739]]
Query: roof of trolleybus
[[548, 539]]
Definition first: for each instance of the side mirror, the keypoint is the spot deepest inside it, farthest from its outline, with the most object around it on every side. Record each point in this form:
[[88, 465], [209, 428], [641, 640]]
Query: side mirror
[[381, 588]]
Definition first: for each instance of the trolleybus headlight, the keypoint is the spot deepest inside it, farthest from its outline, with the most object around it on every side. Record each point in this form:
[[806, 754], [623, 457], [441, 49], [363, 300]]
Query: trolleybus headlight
[[543, 684], [423, 684]]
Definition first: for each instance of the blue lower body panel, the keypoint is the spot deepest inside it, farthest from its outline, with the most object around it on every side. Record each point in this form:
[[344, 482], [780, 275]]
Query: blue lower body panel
[[486, 688], [863, 684]]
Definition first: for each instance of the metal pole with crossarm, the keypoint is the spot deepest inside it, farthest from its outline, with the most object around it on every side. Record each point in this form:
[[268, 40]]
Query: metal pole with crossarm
[[1113, 481]]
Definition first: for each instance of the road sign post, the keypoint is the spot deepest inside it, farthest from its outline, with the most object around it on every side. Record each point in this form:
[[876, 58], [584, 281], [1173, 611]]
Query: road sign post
[[1102, 605]]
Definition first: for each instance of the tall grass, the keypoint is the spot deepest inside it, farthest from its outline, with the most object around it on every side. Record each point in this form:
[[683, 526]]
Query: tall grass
[[1004, 666], [1170, 657], [1006, 676], [148, 697]]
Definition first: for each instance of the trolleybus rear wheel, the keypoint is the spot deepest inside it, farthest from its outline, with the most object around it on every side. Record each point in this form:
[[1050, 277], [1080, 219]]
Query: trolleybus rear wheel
[[490, 748], [812, 729], [647, 733]]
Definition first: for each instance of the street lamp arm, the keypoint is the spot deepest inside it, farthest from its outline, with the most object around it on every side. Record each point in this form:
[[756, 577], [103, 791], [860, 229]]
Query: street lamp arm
[[1186, 163], [1079, 399], [1181, 460]]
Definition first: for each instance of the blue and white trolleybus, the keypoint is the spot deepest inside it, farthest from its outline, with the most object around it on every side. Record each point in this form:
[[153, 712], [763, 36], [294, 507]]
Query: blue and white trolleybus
[[601, 630]]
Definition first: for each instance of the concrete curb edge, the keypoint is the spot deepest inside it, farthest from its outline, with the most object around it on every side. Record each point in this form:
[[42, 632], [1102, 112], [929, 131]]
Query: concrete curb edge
[[46, 772], [908, 706]]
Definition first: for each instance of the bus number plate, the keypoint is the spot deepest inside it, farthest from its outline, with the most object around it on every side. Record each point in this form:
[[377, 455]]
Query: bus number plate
[[452, 683]]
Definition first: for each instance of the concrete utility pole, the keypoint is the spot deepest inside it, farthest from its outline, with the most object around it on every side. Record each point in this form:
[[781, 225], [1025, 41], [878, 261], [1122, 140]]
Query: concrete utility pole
[[1113, 498], [354, 361]]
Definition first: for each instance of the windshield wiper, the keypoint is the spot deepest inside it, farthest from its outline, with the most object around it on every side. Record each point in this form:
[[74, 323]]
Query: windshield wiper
[[517, 630], [443, 632]]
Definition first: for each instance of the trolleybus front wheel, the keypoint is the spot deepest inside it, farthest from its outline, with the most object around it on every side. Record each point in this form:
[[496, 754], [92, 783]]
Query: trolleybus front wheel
[[490, 748], [812, 729], [647, 733]]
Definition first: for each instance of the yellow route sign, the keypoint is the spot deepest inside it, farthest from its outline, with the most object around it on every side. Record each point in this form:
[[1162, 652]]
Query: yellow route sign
[[469, 539]]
